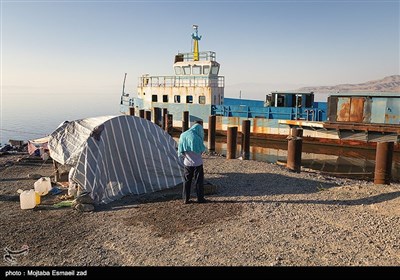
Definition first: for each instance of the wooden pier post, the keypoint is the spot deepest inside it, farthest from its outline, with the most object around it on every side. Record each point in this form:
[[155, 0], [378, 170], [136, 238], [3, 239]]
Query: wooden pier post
[[185, 121], [383, 163], [246, 139], [157, 116], [169, 123], [211, 132], [295, 142], [164, 117], [148, 115], [231, 142]]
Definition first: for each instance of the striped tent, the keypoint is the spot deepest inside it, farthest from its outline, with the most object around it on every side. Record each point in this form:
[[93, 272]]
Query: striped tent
[[114, 156]]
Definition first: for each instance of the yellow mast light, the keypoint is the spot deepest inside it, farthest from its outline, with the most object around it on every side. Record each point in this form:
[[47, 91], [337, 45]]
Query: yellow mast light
[[196, 38]]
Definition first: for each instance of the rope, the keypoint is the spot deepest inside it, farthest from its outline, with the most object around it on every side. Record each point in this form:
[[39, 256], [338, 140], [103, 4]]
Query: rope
[[44, 162]]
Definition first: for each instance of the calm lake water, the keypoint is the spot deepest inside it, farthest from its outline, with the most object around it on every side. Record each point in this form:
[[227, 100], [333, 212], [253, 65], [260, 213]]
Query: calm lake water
[[24, 117], [331, 160]]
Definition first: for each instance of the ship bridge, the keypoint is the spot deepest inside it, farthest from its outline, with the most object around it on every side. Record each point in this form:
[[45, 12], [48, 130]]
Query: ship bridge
[[205, 66], [196, 80]]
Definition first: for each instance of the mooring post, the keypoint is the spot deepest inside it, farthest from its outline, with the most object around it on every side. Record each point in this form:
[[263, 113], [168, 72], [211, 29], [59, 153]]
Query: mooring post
[[148, 115], [185, 121], [383, 162], [295, 142], [157, 115], [141, 113], [211, 132], [164, 117], [246, 139], [131, 111], [231, 142], [169, 123]]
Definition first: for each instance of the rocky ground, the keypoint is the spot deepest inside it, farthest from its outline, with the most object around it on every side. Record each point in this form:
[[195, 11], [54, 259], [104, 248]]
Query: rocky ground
[[260, 215]]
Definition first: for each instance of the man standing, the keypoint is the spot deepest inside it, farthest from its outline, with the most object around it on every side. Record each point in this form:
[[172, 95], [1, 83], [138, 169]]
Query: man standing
[[190, 148]]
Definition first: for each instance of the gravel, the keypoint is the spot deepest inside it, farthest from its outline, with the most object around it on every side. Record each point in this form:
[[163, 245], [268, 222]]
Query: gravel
[[261, 215]]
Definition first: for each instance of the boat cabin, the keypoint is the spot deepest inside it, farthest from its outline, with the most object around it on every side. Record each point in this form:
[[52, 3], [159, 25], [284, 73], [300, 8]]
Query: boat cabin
[[364, 107], [290, 99], [195, 80]]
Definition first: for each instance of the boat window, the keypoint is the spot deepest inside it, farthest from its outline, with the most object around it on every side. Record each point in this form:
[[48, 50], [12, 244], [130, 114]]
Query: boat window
[[154, 98], [291, 100], [268, 100], [196, 70], [214, 70], [202, 100], [189, 99], [186, 70], [309, 101], [281, 101], [178, 70], [206, 69], [165, 98], [178, 58], [177, 99], [299, 101]]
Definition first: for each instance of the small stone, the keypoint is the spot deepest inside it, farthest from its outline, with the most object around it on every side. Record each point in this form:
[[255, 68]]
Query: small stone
[[84, 207], [34, 176]]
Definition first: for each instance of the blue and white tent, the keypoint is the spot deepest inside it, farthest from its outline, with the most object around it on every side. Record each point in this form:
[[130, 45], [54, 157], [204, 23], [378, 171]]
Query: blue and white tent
[[114, 156]]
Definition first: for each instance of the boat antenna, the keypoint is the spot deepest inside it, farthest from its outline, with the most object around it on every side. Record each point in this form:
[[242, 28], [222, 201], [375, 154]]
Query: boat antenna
[[196, 38], [123, 86]]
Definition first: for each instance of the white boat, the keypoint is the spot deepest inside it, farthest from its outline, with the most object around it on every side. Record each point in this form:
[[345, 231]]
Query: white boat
[[197, 88]]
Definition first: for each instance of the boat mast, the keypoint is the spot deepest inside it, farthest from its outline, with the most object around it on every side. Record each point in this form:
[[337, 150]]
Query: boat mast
[[123, 86], [196, 38]]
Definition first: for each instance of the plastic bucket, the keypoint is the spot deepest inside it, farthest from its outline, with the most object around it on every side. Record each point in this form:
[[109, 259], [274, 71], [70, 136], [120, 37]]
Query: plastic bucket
[[43, 185], [27, 199]]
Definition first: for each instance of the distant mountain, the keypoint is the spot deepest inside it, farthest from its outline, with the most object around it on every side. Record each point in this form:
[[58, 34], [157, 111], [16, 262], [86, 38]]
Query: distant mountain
[[387, 84]]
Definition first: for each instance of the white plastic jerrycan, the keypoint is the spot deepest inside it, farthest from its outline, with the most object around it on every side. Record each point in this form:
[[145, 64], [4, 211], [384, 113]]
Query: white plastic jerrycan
[[27, 199], [43, 185]]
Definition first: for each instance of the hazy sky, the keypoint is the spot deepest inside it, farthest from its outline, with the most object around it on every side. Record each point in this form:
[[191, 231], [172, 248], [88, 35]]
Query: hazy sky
[[85, 47]]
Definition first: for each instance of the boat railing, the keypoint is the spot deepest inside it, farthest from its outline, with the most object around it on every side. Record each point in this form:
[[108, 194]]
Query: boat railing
[[283, 113], [203, 56], [184, 81]]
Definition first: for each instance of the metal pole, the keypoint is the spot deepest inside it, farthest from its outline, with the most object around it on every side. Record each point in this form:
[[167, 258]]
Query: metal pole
[[164, 117], [246, 139], [168, 123], [383, 163], [231, 142], [295, 142], [148, 115], [157, 116], [211, 132], [56, 171], [185, 121]]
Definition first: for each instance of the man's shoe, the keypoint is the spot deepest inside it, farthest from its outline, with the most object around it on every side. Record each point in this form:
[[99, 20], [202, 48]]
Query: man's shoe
[[202, 200], [187, 202]]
